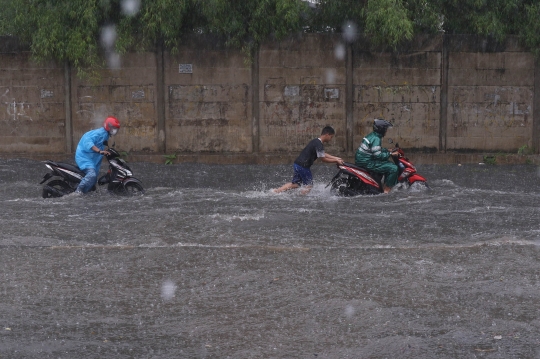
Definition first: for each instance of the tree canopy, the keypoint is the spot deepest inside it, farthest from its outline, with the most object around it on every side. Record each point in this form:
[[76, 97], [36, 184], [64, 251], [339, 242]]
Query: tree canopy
[[82, 31]]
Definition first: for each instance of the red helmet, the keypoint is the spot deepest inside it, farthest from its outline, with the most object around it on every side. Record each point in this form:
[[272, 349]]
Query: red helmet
[[111, 122]]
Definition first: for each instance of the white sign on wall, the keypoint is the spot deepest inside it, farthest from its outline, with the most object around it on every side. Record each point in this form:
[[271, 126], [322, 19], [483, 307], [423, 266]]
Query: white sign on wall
[[291, 91], [331, 93], [46, 93], [185, 68]]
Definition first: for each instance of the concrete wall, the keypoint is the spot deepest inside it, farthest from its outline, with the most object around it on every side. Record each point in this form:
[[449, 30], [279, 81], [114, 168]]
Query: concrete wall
[[302, 87], [405, 89], [444, 94], [490, 97], [209, 109], [32, 116], [128, 93]]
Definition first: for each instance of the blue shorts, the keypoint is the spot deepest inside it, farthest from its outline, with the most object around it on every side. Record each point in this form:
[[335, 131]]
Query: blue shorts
[[302, 176]]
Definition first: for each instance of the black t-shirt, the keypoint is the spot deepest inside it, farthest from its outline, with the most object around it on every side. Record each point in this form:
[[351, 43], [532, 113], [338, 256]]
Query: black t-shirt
[[310, 153]]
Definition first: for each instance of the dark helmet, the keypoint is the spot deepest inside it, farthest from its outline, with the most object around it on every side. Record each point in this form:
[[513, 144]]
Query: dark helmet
[[111, 125], [380, 126]]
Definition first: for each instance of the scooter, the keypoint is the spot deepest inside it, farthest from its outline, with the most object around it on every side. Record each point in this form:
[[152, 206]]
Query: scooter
[[352, 180], [64, 178]]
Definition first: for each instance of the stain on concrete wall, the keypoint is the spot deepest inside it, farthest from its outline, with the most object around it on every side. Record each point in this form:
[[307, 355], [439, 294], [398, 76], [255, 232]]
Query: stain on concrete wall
[[490, 99], [128, 94], [209, 108], [302, 87], [403, 89], [32, 116]]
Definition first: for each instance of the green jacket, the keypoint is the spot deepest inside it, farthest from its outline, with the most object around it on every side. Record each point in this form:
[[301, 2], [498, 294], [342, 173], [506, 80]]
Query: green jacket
[[370, 150]]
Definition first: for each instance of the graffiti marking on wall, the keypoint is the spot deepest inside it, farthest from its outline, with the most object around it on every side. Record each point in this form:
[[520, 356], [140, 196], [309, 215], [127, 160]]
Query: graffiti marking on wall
[[16, 110]]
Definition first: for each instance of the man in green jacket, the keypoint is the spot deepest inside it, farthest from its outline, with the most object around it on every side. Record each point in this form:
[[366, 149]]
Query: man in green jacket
[[371, 156]]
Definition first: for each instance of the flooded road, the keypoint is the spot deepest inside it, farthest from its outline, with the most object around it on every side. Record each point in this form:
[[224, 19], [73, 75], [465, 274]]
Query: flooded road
[[211, 264]]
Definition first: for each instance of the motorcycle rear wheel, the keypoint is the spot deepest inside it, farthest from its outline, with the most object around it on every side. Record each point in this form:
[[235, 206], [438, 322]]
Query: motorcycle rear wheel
[[338, 186], [59, 185]]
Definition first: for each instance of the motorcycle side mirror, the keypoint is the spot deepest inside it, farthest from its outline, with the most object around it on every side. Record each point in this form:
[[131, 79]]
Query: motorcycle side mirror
[[390, 140]]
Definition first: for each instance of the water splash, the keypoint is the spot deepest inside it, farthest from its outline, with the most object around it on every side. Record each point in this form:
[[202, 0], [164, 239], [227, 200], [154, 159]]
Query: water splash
[[350, 32], [108, 41], [330, 76], [130, 7], [168, 290], [108, 36], [340, 51]]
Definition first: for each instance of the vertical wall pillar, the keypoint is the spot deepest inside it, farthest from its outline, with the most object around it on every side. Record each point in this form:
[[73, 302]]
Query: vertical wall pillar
[[349, 100], [255, 124], [536, 108], [443, 122], [160, 100], [67, 106]]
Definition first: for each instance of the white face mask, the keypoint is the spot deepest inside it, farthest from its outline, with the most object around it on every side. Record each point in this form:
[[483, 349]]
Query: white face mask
[[113, 131]]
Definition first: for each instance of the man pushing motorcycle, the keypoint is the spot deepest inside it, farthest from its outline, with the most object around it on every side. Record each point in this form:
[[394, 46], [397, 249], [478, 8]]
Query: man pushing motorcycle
[[90, 151], [302, 164], [373, 157]]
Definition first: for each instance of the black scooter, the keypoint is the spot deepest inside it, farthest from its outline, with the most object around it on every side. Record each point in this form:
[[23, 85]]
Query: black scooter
[[64, 177]]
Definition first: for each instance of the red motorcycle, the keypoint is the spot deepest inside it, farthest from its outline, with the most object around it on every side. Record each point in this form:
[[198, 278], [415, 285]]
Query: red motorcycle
[[352, 180]]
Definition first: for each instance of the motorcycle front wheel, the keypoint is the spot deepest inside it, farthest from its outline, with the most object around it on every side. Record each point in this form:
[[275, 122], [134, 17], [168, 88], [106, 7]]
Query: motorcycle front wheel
[[130, 189], [55, 189], [418, 186]]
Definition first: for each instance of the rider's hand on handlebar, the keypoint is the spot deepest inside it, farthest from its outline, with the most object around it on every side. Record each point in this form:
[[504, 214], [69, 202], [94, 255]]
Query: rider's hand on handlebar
[[395, 153], [104, 152]]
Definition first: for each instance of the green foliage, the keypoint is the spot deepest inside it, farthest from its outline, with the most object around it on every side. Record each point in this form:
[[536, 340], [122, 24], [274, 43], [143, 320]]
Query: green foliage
[[331, 15], [387, 22], [159, 22], [530, 31], [62, 30], [248, 23], [426, 16], [169, 159], [525, 150], [70, 30], [490, 160]]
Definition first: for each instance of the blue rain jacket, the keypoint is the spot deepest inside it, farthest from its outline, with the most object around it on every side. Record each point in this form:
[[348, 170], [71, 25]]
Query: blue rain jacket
[[84, 156]]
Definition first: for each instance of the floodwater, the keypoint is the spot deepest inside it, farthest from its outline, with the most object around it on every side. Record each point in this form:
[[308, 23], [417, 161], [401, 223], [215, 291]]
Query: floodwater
[[210, 264]]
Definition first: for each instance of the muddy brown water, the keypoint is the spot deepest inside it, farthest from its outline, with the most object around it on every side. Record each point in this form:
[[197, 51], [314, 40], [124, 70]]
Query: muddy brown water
[[210, 264]]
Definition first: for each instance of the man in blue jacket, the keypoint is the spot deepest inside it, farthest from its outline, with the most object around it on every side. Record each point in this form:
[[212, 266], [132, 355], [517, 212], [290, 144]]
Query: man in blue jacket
[[373, 157], [90, 152]]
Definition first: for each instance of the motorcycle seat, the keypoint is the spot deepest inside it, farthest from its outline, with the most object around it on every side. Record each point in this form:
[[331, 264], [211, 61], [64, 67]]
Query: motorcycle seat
[[355, 166], [375, 175], [67, 166]]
